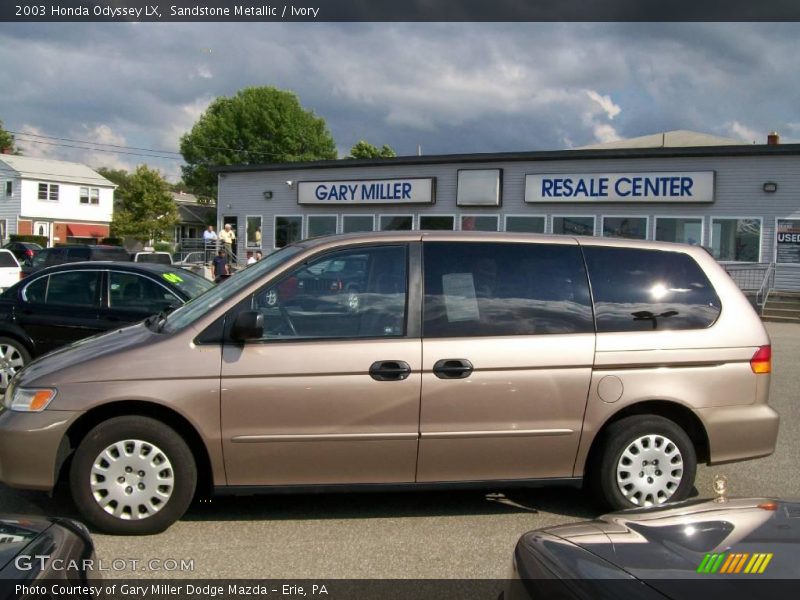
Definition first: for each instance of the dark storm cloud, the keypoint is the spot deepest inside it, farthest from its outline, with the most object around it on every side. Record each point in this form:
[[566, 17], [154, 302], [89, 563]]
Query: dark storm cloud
[[448, 87]]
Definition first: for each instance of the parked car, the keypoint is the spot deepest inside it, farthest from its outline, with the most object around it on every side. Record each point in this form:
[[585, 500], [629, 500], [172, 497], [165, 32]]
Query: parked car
[[674, 551], [23, 250], [63, 304], [58, 255], [162, 258], [460, 358], [44, 550], [9, 269]]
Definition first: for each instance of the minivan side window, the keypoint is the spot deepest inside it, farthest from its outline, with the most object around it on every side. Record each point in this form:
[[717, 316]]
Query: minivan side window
[[643, 290], [492, 289], [353, 293]]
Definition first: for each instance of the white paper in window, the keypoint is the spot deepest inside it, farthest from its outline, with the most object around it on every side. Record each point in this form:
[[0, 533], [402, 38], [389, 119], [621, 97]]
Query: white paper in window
[[460, 300]]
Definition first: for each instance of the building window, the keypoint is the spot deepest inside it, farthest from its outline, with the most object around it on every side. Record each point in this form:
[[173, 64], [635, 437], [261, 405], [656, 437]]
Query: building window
[[437, 222], [736, 240], [253, 232], [687, 230], [90, 195], [396, 222], [357, 223], [288, 230], [479, 222], [571, 225], [319, 225], [48, 191], [634, 228], [524, 224], [9, 188], [479, 187]]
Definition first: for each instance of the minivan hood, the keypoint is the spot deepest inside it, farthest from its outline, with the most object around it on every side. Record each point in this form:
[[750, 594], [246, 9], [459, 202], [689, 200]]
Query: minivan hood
[[41, 371]]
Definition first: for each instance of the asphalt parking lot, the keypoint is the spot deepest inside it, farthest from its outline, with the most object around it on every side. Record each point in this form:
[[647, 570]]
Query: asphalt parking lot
[[465, 534]]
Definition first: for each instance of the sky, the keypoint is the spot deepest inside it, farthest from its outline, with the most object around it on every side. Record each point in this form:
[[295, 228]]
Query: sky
[[442, 87]]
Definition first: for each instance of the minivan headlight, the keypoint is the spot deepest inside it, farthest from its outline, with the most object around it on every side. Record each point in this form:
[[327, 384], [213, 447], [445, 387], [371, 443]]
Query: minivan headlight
[[30, 400]]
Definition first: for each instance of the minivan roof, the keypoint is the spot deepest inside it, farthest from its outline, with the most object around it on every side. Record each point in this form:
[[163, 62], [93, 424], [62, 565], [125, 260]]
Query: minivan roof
[[489, 236]]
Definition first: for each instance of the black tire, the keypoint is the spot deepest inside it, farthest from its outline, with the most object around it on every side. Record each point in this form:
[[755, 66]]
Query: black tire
[[620, 436], [151, 432], [13, 346]]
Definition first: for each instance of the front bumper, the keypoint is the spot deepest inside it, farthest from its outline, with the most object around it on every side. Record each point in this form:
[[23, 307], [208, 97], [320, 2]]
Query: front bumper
[[740, 432], [29, 447]]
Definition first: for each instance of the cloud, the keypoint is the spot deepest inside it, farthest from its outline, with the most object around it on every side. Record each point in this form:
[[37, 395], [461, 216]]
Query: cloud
[[465, 87], [605, 102]]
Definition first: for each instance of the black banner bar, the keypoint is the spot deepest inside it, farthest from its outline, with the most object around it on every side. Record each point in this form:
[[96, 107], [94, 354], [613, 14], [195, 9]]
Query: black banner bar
[[398, 10]]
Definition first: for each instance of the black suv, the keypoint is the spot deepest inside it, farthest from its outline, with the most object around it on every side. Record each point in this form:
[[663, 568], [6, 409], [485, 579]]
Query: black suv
[[58, 255], [23, 250]]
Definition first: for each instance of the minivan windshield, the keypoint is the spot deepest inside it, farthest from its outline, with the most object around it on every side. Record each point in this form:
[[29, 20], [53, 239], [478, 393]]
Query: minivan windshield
[[197, 307]]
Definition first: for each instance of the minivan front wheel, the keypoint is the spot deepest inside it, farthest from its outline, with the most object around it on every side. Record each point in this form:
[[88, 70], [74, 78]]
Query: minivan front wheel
[[133, 475], [643, 460]]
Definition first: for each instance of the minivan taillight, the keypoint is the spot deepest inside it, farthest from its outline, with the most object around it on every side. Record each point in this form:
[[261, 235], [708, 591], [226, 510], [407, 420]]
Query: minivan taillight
[[762, 360]]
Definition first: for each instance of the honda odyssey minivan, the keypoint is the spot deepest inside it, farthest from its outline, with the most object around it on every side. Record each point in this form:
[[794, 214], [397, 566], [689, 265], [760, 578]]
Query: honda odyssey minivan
[[449, 358]]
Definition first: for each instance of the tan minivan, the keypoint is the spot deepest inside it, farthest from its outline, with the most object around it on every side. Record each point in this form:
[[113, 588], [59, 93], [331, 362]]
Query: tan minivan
[[406, 359]]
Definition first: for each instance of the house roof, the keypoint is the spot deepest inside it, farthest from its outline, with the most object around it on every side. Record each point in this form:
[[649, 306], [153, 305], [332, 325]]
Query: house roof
[[184, 197], [47, 169], [679, 138], [196, 214]]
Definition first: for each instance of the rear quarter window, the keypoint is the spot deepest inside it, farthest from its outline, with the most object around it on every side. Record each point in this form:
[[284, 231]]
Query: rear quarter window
[[643, 290]]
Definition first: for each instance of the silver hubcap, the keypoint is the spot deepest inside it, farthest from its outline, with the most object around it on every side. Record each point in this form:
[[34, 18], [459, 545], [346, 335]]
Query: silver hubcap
[[10, 362], [649, 470], [132, 479]]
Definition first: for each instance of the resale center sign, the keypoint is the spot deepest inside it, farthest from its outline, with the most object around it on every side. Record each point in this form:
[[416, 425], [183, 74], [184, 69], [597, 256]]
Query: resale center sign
[[695, 186], [372, 191]]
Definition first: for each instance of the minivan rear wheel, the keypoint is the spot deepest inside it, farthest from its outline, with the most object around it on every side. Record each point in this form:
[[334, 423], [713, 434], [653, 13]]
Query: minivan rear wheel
[[133, 475], [643, 460]]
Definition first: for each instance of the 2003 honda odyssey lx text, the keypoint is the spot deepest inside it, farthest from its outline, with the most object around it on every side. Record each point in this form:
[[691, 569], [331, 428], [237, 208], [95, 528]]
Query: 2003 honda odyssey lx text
[[445, 358]]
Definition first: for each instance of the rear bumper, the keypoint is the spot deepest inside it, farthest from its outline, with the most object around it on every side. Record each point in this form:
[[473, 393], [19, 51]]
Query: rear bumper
[[740, 432], [30, 445]]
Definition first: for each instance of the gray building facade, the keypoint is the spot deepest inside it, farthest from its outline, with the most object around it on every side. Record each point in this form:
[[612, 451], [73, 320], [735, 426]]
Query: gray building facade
[[742, 202]]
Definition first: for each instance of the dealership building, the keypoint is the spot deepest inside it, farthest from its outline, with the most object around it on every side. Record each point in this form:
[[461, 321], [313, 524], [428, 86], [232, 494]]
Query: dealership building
[[741, 201]]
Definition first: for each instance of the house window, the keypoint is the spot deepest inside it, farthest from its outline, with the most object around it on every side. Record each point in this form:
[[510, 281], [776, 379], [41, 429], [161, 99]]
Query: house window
[[396, 222], [319, 225], [356, 223], [634, 228], [253, 232], [9, 188], [479, 223], [736, 240], [524, 224], [437, 222], [288, 230], [573, 225], [48, 191], [684, 230], [90, 195]]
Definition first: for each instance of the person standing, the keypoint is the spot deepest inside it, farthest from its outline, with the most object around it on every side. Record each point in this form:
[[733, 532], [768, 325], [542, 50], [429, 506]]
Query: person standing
[[222, 269], [228, 238], [209, 234]]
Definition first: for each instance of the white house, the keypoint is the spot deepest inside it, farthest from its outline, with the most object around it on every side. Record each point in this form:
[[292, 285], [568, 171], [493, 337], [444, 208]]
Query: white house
[[63, 201]]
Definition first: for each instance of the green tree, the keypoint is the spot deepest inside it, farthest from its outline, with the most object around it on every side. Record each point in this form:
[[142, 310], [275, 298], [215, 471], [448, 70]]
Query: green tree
[[6, 142], [363, 149], [144, 208], [256, 126]]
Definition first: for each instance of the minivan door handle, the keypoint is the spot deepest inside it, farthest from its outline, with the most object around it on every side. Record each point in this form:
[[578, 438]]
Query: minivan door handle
[[389, 370], [452, 368]]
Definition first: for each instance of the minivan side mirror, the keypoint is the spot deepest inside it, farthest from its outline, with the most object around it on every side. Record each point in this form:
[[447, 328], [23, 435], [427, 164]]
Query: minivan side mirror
[[248, 325]]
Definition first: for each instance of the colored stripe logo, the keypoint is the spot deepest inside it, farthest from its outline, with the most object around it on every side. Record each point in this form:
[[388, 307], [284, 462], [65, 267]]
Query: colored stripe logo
[[735, 563]]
